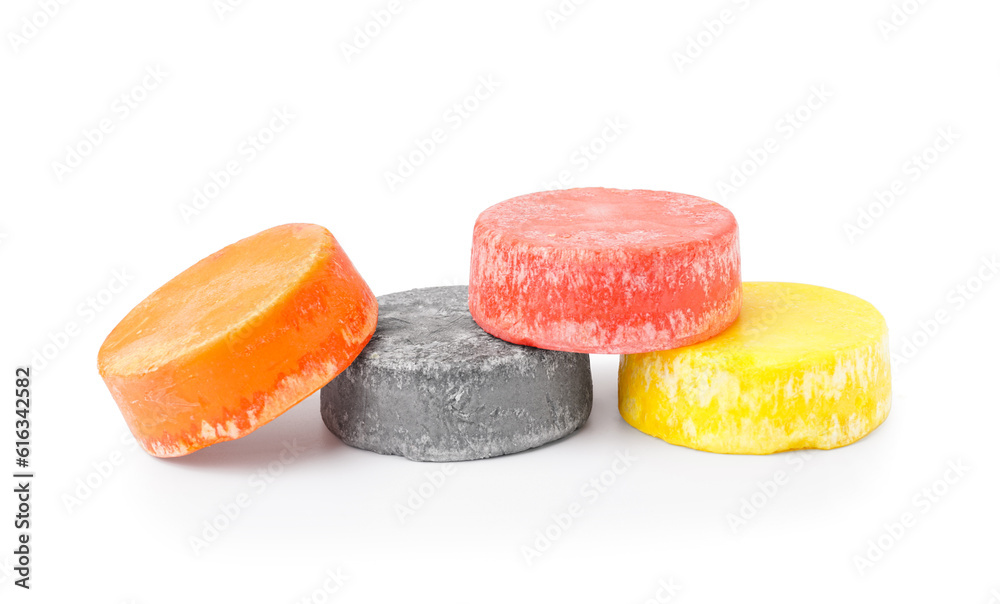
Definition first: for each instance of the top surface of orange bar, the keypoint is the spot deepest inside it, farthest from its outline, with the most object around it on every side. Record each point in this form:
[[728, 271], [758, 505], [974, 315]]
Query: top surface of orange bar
[[216, 297]]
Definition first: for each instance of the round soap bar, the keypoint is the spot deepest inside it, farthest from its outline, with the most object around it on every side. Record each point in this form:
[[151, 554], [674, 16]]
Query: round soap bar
[[237, 339], [605, 270], [432, 386], [804, 367]]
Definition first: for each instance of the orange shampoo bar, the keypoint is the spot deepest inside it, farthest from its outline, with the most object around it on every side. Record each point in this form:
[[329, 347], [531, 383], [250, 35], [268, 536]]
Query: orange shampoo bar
[[237, 339]]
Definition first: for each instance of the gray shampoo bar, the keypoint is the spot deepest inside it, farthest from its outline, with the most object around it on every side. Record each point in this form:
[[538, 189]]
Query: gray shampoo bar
[[433, 386]]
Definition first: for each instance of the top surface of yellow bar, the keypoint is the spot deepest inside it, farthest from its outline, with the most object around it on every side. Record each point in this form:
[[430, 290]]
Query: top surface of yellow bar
[[783, 322]]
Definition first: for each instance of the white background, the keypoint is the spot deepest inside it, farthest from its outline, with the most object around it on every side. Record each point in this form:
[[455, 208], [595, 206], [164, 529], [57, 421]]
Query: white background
[[667, 518]]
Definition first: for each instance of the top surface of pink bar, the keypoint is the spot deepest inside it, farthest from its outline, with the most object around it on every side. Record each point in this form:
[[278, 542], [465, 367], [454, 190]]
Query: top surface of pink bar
[[599, 218]]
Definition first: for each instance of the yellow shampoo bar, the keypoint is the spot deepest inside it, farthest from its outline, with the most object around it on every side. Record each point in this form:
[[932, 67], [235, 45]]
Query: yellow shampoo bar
[[803, 367]]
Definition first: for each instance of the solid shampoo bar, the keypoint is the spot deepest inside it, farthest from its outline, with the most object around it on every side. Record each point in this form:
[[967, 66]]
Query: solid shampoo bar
[[237, 339], [433, 386], [802, 367], [605, 270]]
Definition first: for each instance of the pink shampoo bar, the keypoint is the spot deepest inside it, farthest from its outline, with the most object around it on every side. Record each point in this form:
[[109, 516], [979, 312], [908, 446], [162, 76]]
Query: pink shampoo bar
[[605, 270]]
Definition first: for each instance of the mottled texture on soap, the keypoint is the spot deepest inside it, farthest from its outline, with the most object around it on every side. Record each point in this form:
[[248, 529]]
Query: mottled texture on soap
[[432, 386], [605, 270], [237, 339], [804, 367]]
